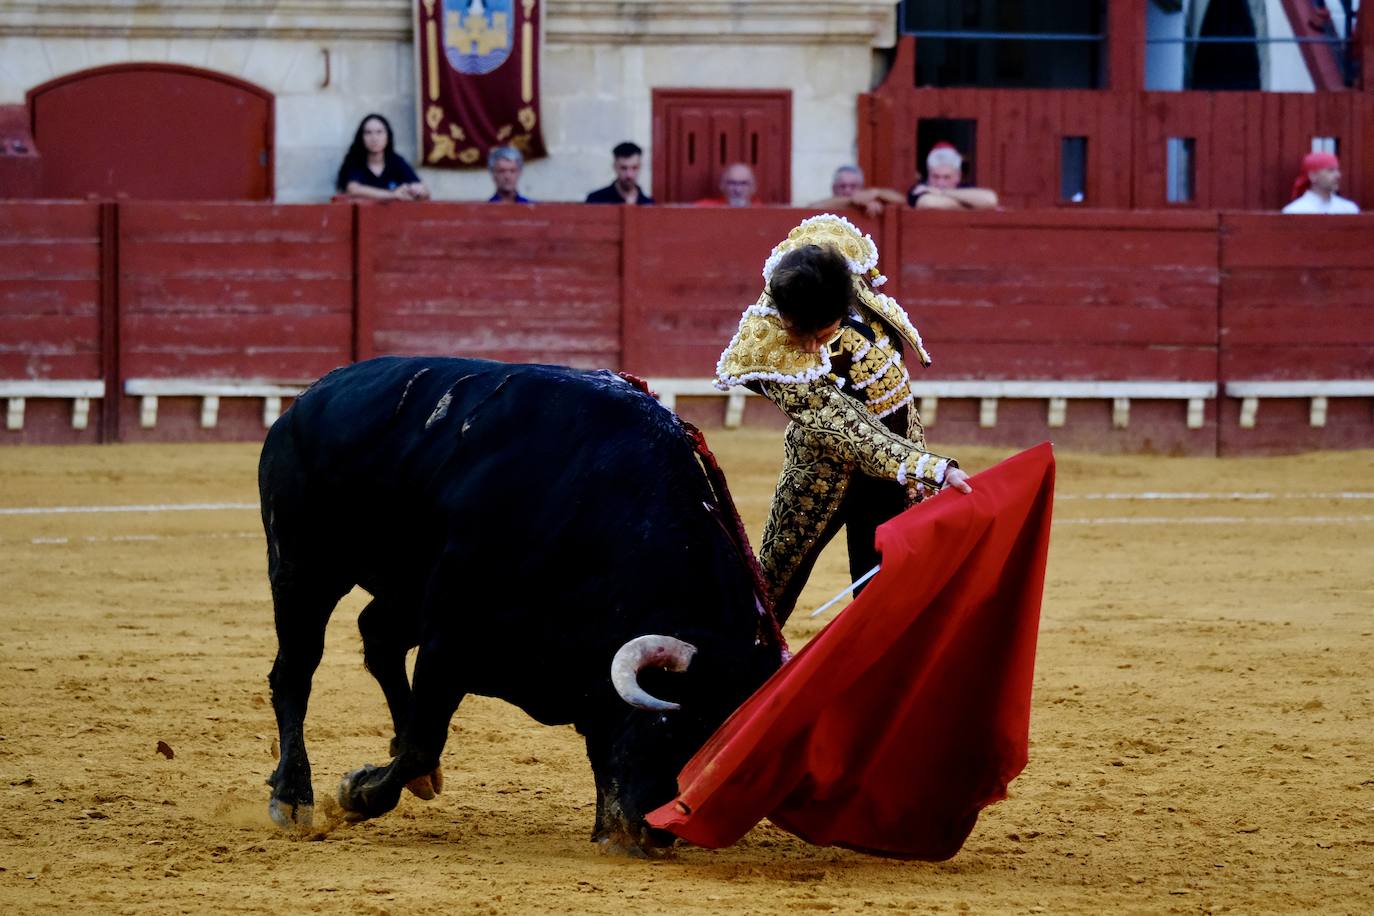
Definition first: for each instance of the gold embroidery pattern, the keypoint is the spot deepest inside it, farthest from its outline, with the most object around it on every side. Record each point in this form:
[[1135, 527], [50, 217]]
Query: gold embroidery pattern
[[836, 430], [844, 429], [762, 349], [810, 490], [861, 253], [876, 372], [441, 147], [831, 437], [828, 229]]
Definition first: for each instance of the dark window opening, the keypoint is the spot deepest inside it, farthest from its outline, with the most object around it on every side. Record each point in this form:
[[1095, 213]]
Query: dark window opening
[[1008, 43], [1180, 175], [961, 132], [1230, 65], [1073, 170]]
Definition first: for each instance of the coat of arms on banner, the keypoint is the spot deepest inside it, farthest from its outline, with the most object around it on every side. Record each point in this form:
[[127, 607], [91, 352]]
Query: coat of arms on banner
[[478, 34], [477, 64]]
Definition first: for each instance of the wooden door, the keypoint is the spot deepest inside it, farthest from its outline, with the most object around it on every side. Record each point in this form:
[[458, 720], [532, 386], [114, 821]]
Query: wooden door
[[154, 131], [698, 132]]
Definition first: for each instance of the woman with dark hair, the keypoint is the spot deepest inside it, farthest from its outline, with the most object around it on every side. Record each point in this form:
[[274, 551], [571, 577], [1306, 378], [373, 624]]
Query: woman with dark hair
[[373, 170], [824, 346]]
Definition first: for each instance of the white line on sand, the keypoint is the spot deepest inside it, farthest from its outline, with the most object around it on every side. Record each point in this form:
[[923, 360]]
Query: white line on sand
[[126, 538], [1213, 496], [1220, 520], [153, 507], [1098, 520], [1145, 496]]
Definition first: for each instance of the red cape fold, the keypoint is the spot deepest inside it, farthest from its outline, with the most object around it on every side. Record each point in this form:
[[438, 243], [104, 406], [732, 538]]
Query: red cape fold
[[910, 712]]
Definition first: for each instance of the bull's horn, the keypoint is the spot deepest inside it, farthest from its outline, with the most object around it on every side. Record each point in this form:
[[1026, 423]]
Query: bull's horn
[[652, 651]]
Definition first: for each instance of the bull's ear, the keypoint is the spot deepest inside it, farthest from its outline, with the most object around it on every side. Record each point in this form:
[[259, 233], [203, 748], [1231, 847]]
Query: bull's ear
[[651, 651]]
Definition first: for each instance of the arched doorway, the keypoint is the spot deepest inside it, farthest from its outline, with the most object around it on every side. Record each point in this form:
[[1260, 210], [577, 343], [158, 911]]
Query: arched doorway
[[153, 131]]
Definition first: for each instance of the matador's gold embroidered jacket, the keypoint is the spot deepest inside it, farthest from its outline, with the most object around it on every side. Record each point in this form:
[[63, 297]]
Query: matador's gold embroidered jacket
[[842, 395]]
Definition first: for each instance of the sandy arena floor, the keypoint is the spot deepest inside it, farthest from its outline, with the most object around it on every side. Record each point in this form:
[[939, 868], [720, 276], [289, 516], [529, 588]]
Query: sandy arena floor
[[1202, 735]]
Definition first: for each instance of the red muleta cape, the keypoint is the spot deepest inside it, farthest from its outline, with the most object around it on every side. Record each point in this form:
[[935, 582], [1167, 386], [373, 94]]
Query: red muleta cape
[[910, 712]]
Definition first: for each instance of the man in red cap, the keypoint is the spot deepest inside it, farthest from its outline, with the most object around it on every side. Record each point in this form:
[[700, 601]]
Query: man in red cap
[[1315, 189]]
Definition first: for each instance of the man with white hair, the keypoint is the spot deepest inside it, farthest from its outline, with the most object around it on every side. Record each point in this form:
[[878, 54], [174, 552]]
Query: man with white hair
[[943, 188], [847, 190], [506, 163]]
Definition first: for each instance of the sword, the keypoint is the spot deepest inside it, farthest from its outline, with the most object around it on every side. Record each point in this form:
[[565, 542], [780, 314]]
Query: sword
[[848, 588]]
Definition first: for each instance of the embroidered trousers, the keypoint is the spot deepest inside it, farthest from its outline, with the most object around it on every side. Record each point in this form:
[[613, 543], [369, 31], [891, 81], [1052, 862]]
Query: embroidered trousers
[[818, 492]]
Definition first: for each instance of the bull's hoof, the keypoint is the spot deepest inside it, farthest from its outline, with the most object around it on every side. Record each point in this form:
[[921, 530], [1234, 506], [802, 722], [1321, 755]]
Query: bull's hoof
[[427, 786], [290, 817], [365, 793], [631, 844], [631, 848]]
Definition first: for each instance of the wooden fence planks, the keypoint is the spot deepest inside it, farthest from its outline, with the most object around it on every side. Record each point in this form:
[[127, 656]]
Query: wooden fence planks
[[523, 283], [1063, 294], [49, 291], [695, 274], [146, 290], [230, 290]]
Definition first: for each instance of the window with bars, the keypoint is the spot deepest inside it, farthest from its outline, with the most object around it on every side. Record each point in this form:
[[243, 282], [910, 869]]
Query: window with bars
[[1008, 43]]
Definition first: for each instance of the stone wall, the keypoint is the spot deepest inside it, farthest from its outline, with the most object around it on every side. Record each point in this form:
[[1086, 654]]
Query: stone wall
[[329, 62]]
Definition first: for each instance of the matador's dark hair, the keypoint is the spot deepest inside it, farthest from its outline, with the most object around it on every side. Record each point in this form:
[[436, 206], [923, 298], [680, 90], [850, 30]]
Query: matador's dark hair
[[811, 288]]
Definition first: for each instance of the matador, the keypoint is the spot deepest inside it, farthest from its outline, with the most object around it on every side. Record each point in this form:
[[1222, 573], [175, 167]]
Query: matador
[[854, 451]]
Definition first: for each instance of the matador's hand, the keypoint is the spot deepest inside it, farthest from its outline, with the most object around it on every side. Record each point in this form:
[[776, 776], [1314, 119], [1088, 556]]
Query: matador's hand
[[956, 478]]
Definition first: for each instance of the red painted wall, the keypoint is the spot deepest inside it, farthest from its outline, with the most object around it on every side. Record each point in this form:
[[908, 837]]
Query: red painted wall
[[689, 273], [521, 284], [230, 291], [50, 321], [245, 291], [1297, 303], [49, 291], [1085, 295]]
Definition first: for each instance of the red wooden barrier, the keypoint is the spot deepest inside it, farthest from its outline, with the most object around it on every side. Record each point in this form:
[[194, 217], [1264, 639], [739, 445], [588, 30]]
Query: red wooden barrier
[[250, 292], [688, 277], [50, 291], [50, 322], [521, 284], [1065, 295], [1055, 295], [1296, 305], [230, 291]]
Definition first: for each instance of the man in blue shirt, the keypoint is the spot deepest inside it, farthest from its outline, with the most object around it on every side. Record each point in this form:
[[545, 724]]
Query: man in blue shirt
[[625, 159], [505, 164]]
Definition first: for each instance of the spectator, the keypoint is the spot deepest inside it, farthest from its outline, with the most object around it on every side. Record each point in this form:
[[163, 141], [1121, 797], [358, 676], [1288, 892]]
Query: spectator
[[944, 187], [506, 163], [1315, 189], [847, 190], [737, 188], [373, 170], [625, 159]]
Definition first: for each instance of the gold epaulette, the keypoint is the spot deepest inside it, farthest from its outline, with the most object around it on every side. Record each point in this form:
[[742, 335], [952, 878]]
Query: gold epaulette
[[762, 349]]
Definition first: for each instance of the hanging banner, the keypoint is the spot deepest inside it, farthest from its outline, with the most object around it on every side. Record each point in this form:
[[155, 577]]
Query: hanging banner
[[479, 80]]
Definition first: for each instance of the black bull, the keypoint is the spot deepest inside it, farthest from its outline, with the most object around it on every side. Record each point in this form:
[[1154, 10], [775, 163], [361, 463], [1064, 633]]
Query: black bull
[[524, 526]]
